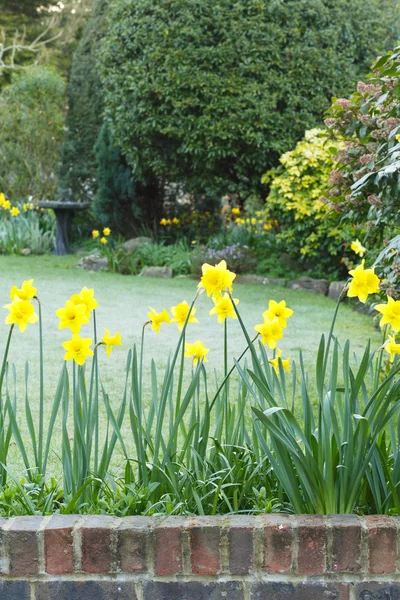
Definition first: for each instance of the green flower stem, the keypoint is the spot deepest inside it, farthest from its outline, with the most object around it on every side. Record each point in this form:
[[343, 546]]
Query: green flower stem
[[4, 364], [96, 397], [226, 395], [41, 391], [180, 381]]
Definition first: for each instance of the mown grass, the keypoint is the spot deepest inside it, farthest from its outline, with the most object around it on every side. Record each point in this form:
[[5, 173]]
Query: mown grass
[[123, 306]]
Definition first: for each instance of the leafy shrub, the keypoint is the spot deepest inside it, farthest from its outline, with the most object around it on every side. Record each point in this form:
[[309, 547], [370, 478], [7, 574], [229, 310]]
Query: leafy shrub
[[177, 256], [31, 133], [308, 232], [31, 231], [207, 94]]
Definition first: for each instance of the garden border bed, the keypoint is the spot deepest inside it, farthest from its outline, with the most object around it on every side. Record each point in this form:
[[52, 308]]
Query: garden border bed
[[266, 557]]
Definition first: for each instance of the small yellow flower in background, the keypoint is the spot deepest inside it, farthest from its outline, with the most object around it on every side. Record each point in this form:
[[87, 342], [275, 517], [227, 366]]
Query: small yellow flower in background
[[78, 349], [87, 298], [216, 279], [279, 311], [14, 211], [2, 199], [26, 292], [392, 347], [163, 221], [30, 206], [270, 332], [25, 207], [103, 240], [111, 340], [72, 316], [106, 231], [224, 308], [358, 248], [21, 313], [364, 282], [180, 313], [197, 350], [95, 233], [267, 226], [254, 221], [7, 204], [397, 137], [175, 221], [391, 313], [235, 211], [285, 362], [157, 319]]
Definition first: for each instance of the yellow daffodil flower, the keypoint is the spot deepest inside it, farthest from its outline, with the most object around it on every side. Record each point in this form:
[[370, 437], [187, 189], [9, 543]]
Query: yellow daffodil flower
[[180, 313], [197, 350], [72, 316], [157, 319], [87, 298], [14, 211], [103, 241], [175, 221], [78, 349], [364, 282], [267, 226], [235, 211], [224, 308], [392, 347], [391, 313], [25, 207], [285, 362], [2, 199], [279, 311], [111, 340], [254, 221], [358, 248], [21, 313], [216, 279], [270, 332], [106, 231], [95, 233], [7, 204], [26, 292], [163, 221]]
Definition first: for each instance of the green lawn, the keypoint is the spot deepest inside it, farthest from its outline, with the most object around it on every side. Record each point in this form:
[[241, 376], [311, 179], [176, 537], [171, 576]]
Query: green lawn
[[123, 306]]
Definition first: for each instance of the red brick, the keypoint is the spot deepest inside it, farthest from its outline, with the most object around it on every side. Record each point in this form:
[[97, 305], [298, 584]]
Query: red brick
[[23, 548], [278, 544], [346, 543], [168, 548], [96, 544], [59, 544], [311, 558], [205, 549], [241, 546], [382, 550], [133, 539]]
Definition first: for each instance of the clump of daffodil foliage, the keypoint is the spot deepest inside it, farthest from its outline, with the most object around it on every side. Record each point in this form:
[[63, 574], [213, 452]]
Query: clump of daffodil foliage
[[273, 439], [308, 231]]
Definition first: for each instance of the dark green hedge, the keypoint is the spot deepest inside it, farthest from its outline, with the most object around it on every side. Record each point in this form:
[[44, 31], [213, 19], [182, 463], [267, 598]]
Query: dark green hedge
[[211, 92]]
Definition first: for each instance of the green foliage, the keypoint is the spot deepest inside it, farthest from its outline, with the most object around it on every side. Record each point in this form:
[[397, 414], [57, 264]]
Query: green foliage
[[115, 201], [30, 232], [177, 256], [308, 231], [85, 111], [31, 132], [207, 93]]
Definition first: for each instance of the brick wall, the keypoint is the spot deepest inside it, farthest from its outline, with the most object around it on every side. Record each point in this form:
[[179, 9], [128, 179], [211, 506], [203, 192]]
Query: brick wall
[[269, 557]]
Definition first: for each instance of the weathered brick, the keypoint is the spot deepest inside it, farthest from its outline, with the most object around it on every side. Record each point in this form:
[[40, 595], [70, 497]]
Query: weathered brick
[[205, 547], [133, 539], [14, 590], [382, 550], [156, 590], [311, 558], [96, 544], [241, 547], [278, 546], [168, 547], [304, 591], [58, 544], [22, 541], [85, 590], [377, 591], [346, 544]]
